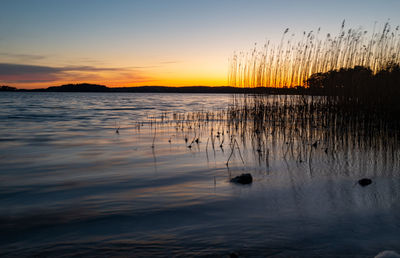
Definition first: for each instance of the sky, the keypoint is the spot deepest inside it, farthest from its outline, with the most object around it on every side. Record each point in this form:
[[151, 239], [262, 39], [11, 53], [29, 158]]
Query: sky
[[156, 42]]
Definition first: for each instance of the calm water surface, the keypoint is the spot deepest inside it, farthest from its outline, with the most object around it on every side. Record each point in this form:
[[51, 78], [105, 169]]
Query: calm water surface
[[71, 186]]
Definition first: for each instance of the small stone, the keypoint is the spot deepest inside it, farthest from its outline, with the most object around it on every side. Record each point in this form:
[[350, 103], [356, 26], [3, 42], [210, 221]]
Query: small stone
[[364, 182], [243, 179], [388, 254], [234, 255]]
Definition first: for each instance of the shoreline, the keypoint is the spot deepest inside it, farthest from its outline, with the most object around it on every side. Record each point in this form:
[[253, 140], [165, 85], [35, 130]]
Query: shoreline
[[159, 89]]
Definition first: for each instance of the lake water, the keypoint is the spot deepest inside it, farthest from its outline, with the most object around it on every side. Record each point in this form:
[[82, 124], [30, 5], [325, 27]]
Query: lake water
[[70, 185]]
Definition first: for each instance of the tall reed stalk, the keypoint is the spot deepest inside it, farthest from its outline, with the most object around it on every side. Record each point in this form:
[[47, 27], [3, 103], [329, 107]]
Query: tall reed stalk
[[292, 62]]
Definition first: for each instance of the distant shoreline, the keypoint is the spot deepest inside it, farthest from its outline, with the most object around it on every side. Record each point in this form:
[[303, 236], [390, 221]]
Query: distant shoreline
[[84, 87]]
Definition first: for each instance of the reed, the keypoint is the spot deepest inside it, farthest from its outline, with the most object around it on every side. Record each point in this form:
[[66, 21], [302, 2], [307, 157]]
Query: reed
[[291, 62], [262, 131]]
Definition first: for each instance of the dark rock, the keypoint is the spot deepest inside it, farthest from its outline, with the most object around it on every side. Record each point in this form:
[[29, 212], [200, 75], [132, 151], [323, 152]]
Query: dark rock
[[388, 254], [234, 255], [243, 179], [364, 181]]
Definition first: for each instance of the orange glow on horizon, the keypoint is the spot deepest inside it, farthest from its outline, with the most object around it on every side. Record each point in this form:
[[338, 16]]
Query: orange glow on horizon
[[174, 76], [126, 83]]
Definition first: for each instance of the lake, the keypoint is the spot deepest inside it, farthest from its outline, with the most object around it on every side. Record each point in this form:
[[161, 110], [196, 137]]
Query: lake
[[110, 174]]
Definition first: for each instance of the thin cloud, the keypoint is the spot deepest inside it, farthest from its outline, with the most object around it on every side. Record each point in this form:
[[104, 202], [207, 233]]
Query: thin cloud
[[144, 67], [90, 69], [22, 73], [170, 62], [26, 57], [18, 69], [134, 77]]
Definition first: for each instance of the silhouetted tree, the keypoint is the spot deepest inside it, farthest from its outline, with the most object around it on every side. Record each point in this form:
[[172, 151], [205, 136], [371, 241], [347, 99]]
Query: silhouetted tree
[[7, 88], [360, 88]]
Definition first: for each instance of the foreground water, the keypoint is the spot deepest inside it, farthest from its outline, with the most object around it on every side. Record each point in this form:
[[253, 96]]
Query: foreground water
[[70, 185]]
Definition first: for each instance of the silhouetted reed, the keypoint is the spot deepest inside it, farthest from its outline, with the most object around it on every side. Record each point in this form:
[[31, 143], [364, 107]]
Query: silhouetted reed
[[346, 113], [350, 84], [261, 131], [292, 62], [306, 130]]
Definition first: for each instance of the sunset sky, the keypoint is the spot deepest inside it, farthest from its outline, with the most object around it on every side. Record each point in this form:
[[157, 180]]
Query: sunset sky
[[155, 42]]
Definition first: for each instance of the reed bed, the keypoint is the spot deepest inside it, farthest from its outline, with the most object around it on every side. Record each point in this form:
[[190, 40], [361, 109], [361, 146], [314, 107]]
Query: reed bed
[[349, 88], [291, 62], [260, 132], [346, 114]]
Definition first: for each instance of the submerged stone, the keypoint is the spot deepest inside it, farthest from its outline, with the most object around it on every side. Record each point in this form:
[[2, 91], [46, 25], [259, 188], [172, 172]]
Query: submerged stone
[[364, 181], [243, 179]]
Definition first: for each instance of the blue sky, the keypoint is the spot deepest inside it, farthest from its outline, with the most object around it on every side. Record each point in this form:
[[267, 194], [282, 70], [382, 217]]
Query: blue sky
[[157, 41]]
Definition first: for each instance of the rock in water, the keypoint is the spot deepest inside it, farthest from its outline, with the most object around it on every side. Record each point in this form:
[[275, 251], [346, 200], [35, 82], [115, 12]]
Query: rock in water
[[364, 181], [387, 254], [234, 255], [243, 179]]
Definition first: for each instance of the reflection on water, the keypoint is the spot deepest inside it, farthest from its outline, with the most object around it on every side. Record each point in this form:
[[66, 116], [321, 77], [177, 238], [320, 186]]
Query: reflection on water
[[71, 185]]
